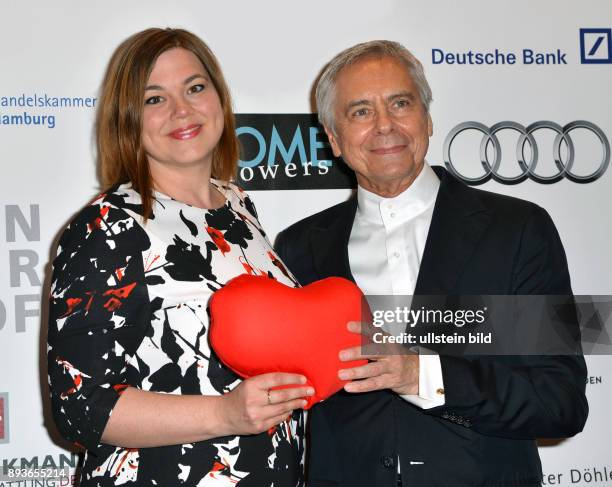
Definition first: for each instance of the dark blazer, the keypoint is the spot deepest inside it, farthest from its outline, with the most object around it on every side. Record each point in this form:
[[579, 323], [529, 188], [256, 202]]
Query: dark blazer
[[495, 407]]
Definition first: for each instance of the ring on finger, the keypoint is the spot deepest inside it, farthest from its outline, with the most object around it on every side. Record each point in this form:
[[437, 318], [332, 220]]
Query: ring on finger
[[269, 398]]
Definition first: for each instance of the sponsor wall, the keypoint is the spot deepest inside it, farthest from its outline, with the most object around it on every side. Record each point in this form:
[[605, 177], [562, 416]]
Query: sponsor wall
[[532, 75]]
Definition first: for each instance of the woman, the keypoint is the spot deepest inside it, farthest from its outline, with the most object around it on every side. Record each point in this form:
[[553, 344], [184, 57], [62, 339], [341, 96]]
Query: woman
[[132, 377]]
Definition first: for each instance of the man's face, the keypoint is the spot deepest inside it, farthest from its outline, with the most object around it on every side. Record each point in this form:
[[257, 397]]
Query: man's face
[[382, 128]]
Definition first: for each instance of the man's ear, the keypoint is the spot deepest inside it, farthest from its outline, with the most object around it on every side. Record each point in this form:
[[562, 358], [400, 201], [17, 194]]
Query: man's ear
[[429, 125], [333, 140]]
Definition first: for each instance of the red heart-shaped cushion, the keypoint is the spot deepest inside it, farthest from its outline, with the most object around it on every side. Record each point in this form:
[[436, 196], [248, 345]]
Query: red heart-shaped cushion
[[259, 325]]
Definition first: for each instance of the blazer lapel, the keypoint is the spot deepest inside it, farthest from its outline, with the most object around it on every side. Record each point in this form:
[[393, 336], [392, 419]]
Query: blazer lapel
[[458, 223], [329, 242]]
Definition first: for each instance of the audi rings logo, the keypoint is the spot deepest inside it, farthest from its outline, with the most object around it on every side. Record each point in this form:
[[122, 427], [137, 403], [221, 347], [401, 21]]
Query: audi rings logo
[[491, 154]]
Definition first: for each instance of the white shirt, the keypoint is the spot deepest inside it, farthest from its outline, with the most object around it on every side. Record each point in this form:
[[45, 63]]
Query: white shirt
[[385, 252]]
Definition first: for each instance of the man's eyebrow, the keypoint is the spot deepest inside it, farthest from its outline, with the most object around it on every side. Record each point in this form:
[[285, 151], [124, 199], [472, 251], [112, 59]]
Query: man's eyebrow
[[403, 94], [187, 81], [355, 103]]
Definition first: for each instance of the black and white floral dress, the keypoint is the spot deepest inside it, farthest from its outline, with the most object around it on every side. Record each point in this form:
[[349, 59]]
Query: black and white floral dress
[[129, 308]]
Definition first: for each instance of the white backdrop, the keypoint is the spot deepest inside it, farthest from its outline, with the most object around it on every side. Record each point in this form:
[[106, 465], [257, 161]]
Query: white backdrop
[[271, 51]]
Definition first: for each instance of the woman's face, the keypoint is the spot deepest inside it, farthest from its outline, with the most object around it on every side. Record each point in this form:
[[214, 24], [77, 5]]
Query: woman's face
[[182, 116]]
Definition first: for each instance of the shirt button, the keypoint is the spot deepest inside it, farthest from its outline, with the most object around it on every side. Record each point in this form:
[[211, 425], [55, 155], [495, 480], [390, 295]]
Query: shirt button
[[387, 462], [396, 255], [392, 215]]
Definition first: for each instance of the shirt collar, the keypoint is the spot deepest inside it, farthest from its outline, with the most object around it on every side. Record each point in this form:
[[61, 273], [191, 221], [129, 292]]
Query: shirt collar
[[414, 200]]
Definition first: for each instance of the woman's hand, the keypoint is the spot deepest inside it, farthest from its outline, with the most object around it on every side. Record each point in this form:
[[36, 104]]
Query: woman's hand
[[253, 407], [146, 419]]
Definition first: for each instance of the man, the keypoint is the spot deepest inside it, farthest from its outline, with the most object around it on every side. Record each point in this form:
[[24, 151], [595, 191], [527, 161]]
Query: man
[[426, 420]]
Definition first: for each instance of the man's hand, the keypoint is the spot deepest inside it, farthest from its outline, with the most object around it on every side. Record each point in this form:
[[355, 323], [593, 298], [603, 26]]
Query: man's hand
[[393, 367]]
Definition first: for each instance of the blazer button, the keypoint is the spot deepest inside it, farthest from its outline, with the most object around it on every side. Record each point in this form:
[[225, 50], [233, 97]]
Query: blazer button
[[387, 462], [467, 423], [445, 414]]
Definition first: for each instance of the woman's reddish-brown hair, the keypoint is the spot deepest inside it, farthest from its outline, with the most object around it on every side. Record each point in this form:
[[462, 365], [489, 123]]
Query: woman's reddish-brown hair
[[121, 157]]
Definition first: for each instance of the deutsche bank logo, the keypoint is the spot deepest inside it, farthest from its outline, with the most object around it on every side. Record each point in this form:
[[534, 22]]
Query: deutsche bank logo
[[4, 433], [596, 46]]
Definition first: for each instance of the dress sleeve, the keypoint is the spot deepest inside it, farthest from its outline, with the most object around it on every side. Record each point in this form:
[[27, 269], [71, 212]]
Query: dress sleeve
[[99, 312]]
